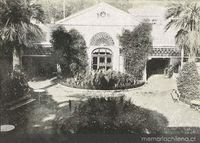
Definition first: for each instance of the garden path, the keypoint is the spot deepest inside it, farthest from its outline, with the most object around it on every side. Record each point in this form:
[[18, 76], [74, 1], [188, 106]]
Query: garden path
[[155, 95]]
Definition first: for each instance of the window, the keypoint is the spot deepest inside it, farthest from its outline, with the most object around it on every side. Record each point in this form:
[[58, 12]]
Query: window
[[102, 38], [101, 59]]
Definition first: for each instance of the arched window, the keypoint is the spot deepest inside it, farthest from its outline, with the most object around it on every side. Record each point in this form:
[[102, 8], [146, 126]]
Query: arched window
[[102, 59], [101, 39]]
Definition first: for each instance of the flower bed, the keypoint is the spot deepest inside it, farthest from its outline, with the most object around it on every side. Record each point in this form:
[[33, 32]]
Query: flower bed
[[103, 80]]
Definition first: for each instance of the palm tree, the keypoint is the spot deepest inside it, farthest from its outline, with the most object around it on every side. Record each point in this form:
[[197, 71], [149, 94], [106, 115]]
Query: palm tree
[[17, 29], [186, 19]]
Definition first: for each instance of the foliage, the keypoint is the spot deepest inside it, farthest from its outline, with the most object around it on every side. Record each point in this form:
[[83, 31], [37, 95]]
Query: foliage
[[14, 86], [185, 18], [69, 51], [17, 29], [16, 25], [103, 80], [6, 52], [110, 115], [188, 82], [136, 45], [169, 71]]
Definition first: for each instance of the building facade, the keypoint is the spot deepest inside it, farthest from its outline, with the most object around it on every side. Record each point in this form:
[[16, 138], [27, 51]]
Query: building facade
[[101, 26]]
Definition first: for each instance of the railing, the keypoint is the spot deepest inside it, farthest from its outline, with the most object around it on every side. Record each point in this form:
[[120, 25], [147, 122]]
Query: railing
[[156, 52], [165, 52]]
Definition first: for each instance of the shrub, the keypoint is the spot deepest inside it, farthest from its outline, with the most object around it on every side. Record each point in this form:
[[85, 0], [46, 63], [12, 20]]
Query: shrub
[[14, 87], [110, 115], [188, 81], [136, 46], [103, 80], [69, 51], [169, 71]]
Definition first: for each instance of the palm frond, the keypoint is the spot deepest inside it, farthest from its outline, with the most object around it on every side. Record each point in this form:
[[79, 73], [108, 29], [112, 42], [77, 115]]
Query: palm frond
[[174, 10], [186, 19], [15, 22], [37, 12]]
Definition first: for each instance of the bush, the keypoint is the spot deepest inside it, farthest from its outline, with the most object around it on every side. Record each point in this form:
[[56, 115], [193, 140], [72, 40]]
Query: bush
[[169, 71], [103, 80], [188, 81], [111, 115], [137, 45], [14, 86], [69, 51]]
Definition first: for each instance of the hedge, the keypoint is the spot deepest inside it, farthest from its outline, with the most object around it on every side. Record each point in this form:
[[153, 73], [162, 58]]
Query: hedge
[[188, 81]]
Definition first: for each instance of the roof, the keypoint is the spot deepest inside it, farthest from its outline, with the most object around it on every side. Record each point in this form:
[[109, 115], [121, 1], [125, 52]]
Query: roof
[[90, 13]]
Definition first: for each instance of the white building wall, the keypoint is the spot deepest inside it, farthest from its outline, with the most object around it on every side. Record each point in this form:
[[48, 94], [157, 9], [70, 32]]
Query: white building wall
[[114, 31], [90, 22]]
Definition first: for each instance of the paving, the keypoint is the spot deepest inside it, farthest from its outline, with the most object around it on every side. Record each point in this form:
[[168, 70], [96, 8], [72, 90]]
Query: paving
[[155, 95]]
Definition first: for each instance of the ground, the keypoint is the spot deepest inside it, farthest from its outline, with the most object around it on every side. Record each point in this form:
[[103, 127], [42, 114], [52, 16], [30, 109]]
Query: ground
[[155, 95]]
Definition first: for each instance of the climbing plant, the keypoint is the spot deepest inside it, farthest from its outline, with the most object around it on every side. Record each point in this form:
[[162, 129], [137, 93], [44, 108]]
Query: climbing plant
[[136, 45]]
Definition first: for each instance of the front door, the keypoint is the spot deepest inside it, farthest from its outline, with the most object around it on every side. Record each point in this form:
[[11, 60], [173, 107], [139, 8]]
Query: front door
[[101, 59]]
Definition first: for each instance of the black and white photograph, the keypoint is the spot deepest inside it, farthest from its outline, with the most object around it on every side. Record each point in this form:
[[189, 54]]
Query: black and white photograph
[[99, 71]]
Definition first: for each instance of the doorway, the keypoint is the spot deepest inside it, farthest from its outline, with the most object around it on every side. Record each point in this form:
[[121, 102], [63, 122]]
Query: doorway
[[101, 59], [157, 66]]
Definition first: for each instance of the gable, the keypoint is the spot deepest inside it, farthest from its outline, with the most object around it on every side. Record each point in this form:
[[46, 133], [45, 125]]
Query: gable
[[100, 14]]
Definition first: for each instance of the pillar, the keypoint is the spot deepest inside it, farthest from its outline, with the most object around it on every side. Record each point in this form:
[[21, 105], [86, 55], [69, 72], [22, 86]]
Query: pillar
[[145, 73]]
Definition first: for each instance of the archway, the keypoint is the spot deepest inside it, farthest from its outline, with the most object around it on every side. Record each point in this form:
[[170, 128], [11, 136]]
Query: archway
[[157, 66], [101, 56], [102, 39]]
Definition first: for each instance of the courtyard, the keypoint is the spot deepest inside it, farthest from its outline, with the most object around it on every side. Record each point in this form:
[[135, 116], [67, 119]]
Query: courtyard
[[181, 118], [108, 69]]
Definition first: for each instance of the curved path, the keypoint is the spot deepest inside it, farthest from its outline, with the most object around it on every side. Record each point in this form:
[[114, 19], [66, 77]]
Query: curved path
[[155, 95]]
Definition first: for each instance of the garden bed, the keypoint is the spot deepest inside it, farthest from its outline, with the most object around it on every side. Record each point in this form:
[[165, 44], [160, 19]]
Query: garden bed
[[103, 80], [109, 115]]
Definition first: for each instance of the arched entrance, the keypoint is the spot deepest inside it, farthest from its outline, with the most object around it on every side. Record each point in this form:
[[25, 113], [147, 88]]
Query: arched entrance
[[157, 66], [102, 39], [101, 55], [101, 59]]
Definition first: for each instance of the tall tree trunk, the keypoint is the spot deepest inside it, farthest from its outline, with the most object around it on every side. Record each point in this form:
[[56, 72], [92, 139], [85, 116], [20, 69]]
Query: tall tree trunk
[[17, 60], [145, 72], [182, 57]]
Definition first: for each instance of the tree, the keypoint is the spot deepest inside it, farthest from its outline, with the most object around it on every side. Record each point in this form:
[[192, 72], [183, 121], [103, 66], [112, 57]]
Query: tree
[[186, 19], [69, 51], [136, 45], [188, 82], [17, 30]]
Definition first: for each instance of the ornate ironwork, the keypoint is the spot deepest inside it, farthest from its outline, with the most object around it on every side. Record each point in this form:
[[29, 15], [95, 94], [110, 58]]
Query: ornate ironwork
[[165, 52], [101, 38]]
